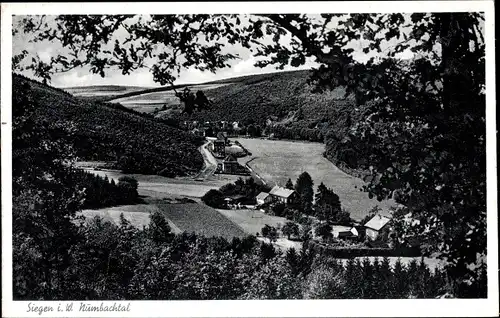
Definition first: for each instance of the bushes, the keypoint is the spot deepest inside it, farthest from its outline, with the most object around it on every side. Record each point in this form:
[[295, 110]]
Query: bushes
[[214, 199], [290, 229], [244, 190], [100, 192], [270, 232]]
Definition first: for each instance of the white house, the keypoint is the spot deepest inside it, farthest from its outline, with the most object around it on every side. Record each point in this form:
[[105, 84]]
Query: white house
[[284, 195], [376, 225]]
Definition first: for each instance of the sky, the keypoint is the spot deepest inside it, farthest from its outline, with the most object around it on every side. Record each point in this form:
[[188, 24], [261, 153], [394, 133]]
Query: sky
[[82, 77]]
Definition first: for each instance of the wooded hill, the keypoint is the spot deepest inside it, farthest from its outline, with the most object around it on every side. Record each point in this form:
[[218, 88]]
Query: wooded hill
[[259, 97], [134, 143]]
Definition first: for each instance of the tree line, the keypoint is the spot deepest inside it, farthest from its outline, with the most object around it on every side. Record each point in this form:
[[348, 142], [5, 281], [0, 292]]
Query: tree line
[[115, 262], [101, 192]]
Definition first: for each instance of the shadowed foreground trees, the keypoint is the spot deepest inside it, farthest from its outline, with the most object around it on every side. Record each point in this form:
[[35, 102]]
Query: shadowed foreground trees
[[116, 262]]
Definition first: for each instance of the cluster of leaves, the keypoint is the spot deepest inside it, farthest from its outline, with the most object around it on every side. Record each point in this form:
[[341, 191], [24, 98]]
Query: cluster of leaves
[[192, 101], [214, 198], [269, 232], [169, 42], [327, 206], [137, 144], [290, 229]]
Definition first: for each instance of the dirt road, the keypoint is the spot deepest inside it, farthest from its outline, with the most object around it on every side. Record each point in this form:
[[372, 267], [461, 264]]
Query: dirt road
[[210, 163]]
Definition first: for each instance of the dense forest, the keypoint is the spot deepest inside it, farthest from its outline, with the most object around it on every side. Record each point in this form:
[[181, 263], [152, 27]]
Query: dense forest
[[96, 131]]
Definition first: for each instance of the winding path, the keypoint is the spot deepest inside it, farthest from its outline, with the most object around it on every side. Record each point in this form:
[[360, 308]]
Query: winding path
[[210, 165]]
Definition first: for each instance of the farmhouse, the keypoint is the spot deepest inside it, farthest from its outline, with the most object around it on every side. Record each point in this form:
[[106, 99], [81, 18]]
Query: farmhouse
[[280, 194], [376, 225], [263, 197], [230, 165]]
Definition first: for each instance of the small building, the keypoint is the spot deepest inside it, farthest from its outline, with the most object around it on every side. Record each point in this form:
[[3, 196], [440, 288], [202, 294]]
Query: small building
[[230, 165], [263, 197], [376, 225], [219, 147], [348, 234], [208, 132], [287, 196]]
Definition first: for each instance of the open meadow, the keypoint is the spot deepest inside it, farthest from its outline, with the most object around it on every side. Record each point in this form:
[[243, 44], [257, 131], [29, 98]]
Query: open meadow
[[102, 90], [277, 160], [252, 221], [201, 219], [159, 187], [147, 102]]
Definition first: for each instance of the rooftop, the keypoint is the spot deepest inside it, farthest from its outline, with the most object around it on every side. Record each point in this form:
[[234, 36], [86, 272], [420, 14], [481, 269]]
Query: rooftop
[[262, 196], [281, 192], [377, 222], [230, 158]]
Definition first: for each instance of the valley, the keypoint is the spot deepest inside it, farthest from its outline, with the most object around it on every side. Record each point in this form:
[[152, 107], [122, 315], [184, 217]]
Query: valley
[[249, 156]]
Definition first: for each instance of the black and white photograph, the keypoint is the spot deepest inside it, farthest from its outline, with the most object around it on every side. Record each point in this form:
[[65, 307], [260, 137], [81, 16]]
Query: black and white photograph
[[198, 156]]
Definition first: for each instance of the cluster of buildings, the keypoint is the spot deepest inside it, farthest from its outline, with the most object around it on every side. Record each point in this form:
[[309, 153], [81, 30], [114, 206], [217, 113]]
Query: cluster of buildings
[[372, 228], [210, 128]]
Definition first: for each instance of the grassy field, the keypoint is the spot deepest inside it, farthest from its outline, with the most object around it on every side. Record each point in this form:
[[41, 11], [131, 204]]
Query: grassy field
[[138, 215], [162, 187], [190, 217], [278, 160], [252, 221], [102, 90], [201, 219], [149, 101]]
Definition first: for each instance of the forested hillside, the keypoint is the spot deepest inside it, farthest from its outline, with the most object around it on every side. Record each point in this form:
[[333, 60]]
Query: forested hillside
[[258, 97], [134, 143]]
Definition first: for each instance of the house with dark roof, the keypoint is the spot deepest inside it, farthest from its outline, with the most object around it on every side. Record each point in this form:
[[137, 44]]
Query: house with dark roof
[[230, 165], [284, 195], [375, 225], [344, 232]]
